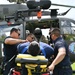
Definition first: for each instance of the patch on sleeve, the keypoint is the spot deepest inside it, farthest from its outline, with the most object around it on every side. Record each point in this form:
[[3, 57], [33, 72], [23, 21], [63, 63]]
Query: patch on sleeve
[[72, 47]]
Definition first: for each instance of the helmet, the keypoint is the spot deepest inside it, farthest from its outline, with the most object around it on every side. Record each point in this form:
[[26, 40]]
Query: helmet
[[38, 33]]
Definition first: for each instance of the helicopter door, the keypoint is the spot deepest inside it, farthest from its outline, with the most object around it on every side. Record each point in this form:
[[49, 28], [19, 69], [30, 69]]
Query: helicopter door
[[44, 24]]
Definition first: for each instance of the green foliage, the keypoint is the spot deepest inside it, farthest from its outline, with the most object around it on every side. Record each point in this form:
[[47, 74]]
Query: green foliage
[[73, 66], [70, 37]]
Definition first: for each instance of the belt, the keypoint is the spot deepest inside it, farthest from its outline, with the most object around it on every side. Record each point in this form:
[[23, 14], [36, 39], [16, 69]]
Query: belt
[[64, 67]]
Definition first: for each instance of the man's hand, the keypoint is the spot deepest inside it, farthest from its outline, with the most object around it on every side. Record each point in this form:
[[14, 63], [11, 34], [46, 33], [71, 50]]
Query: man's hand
[[51, 68]]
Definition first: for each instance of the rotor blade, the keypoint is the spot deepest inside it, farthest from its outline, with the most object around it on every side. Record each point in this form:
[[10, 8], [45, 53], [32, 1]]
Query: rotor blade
[[62, 14], [63, 5]]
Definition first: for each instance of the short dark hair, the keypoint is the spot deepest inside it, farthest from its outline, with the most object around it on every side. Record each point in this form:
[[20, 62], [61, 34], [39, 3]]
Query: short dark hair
[[56, 31], [34, 48], [14, 29]]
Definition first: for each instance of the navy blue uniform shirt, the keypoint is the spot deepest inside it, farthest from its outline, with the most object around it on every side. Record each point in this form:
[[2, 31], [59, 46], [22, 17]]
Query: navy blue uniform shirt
[[46, 49], [9, 50], [59, 43]]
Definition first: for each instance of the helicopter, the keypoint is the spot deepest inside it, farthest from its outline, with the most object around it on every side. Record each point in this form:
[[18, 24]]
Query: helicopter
[[10, 9], [22, 16]]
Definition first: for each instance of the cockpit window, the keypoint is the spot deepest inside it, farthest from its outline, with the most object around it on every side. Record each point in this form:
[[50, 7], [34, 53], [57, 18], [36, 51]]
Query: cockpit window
[[66, 30], [67, 26], [65, 23]]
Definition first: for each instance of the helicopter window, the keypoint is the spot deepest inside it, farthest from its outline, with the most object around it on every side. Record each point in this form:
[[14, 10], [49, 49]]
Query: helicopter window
[[73, 30], [66, 30], [72, 24], [65, 23], [66, 27]]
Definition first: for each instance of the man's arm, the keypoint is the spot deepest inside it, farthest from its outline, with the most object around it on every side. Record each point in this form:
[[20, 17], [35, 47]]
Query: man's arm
[[60, 56], [13, 41]]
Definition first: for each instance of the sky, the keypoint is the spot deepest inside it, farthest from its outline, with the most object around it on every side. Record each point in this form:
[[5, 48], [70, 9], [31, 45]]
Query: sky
[[71, 13]]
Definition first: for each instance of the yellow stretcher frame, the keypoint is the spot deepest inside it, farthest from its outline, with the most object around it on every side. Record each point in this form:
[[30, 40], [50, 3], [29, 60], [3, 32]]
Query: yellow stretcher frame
[[31, 62]]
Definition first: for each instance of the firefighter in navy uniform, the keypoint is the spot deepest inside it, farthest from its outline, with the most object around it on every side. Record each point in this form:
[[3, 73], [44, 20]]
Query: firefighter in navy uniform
[[61, 64], [10, 49]]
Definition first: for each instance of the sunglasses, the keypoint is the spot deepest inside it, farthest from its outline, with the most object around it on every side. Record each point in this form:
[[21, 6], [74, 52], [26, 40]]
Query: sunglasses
[[18, 34]]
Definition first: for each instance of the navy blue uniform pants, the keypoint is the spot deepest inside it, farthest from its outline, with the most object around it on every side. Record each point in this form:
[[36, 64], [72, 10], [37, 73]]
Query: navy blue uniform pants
[[10, 65], [62, 71]]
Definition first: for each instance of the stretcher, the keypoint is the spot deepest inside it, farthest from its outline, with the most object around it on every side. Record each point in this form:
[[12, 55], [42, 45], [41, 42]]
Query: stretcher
[[36, 65]]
